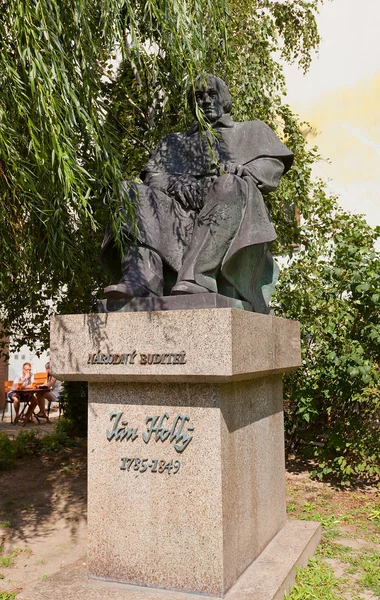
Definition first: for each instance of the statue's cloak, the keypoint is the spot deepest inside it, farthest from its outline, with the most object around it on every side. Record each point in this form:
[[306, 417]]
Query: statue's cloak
[[196, 154], [166, 226]]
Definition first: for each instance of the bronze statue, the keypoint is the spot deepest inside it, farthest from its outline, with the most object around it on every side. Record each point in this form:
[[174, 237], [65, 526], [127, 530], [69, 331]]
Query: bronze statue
[[202, 221]]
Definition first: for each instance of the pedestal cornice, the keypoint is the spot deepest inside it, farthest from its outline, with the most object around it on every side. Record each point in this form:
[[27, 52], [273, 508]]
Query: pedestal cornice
[[210, 345]]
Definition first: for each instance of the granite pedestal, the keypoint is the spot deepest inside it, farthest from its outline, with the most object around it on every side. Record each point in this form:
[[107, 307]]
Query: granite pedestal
[[186, 449]]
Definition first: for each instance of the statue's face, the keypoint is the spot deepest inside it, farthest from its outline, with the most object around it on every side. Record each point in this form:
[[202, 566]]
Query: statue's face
[[210, 102]]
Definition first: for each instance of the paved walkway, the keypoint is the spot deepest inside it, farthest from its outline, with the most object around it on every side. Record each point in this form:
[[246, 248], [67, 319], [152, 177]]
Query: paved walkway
[[43, 428]]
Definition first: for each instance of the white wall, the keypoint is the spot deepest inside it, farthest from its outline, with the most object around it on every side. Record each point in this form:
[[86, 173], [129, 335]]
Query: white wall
[[17, 359], [340, 98]]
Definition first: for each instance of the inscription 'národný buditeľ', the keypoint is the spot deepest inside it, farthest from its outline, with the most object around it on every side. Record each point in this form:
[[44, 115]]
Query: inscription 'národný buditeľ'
[[144, 358]]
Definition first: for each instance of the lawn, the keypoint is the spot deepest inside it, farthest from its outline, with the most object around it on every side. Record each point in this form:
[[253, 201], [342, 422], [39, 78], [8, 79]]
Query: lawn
[[346, 565]]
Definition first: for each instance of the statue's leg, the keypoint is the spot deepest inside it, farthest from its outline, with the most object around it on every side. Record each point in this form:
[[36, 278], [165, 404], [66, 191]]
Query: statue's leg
[[215, 228], [164, 229], [142, 275]]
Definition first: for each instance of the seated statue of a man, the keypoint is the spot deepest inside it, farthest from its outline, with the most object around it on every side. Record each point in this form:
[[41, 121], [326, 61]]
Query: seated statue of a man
[[202, 222]]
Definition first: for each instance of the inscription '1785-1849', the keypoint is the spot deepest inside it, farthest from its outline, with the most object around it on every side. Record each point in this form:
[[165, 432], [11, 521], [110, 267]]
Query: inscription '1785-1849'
[[159, 428]]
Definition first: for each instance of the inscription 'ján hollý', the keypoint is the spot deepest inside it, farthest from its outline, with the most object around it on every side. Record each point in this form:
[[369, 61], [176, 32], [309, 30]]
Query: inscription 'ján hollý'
[[159, 428]]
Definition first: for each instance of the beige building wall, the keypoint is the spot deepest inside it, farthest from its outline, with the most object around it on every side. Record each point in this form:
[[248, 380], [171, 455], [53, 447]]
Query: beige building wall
[[340, 98]]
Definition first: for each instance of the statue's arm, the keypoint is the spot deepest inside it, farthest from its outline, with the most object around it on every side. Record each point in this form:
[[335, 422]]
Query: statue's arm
[[160, 174], [266, 171], [154, 177], [184, 188], [162, 171], [157, 171]]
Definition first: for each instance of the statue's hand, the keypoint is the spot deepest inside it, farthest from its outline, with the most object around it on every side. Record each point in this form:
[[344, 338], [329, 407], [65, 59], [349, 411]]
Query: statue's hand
[[188, 192], [234, 169]]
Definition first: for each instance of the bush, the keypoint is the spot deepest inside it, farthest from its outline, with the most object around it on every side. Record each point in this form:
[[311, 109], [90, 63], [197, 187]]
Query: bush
[[64, 437], [7, 459], [32, 443], [333, 400], [27, 443], [65, 429], [74, 404]]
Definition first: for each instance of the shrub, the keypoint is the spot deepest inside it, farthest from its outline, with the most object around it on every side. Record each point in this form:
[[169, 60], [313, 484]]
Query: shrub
[[64, 437], [65, 429], [74, 403], [332, 288], [7, 460], [27, 443], [32, 443]]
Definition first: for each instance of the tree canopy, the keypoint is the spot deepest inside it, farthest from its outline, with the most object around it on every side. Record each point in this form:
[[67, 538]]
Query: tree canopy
[[72, 126]]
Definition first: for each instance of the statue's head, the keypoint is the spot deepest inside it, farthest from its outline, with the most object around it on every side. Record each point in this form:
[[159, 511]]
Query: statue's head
[[212, 96]]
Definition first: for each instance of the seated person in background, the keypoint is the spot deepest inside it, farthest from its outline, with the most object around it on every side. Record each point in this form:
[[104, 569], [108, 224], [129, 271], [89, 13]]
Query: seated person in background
[[50, 395], [20, 382]]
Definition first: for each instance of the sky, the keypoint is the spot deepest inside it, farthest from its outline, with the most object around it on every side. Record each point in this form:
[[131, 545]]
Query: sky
[[340, 98]]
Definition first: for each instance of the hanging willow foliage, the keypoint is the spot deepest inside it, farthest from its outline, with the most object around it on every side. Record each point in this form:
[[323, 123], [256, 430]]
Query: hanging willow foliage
[[60, 153]]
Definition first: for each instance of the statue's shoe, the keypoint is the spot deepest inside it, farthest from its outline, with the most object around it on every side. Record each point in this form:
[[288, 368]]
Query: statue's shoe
[[118, 291], [188, 287], [124, 291]]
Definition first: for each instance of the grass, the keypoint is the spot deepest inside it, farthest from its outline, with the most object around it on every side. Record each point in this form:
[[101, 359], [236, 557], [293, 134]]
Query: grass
[[366, 564], [352, 515], [7, 560], [316, 582], [374, 515]]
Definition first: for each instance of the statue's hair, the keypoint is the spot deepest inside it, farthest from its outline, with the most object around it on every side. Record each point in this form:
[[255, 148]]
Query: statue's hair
[[215, 82]]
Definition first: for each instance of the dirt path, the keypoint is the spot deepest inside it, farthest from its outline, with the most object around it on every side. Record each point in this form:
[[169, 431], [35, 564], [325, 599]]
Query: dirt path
[[42, 518]]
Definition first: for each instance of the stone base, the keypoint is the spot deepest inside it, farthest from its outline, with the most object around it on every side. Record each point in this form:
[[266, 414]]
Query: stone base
[[186, 441], [198, 525], [267, 578], [182, 302]]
